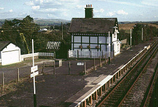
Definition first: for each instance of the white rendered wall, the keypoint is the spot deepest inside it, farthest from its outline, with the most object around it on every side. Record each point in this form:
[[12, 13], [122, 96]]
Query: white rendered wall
[[11, 54]]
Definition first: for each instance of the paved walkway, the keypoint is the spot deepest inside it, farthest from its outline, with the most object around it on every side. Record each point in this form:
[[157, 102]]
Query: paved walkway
[[54, 90]]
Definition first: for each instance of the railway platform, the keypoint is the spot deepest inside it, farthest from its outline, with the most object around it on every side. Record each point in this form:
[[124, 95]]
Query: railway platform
[[62, 90], [103, 77]]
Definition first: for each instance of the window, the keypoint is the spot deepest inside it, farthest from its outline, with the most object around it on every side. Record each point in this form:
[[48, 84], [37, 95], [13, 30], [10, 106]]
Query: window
[[93, 39], [76, 45], [102, 39], [103, 47], [93, 45], [85, 45], [85, 39], [85, 50], [77, 50], [94, 50], [77, 38]]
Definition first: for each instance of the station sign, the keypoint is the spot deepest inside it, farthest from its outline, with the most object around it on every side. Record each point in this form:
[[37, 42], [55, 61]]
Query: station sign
[[34, 68], [80, 63], [34, 71], [34, 74]]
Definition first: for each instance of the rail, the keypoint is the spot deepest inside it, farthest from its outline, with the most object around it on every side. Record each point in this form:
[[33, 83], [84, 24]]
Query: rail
[[150, 87]]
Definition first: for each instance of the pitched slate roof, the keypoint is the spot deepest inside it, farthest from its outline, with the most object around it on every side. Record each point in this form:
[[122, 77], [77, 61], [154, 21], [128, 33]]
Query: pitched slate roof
[[92, 25], [3, 44]]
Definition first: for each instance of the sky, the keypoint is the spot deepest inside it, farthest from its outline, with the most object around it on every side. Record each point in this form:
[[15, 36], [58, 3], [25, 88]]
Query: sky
[[124, 10]]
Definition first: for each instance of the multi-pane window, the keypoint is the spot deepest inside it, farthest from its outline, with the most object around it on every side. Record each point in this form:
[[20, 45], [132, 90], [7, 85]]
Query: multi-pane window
[[76, 45], [90, 42], [85, 39], [87, 50], [93, 39], [77, 38], [103, 47], [85, 45], [93, 45], [102, 39]]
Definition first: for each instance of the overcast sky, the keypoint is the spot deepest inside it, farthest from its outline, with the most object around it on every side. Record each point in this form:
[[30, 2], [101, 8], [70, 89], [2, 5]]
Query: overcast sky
[[124, 10]]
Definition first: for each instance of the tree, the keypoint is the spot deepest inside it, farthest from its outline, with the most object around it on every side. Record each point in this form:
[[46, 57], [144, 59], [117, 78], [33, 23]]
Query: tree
[[136, 34], [13, 28], [148, 33], [28, 28]]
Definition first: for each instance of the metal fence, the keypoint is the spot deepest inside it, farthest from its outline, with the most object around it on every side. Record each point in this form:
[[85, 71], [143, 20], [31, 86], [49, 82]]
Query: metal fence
[[89, 54], [16, 73]]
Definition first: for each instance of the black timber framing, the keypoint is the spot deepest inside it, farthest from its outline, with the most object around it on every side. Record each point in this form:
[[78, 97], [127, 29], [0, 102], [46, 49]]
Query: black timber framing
[[91, 35]]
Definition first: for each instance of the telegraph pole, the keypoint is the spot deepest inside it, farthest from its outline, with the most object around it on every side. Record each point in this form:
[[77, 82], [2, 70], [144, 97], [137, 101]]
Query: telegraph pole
[[109, 46], [142, 34], [62, 29], [131, 37]]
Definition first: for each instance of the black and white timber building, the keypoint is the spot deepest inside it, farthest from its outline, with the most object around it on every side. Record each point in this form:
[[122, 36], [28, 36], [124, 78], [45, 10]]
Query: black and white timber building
[[94, 34]]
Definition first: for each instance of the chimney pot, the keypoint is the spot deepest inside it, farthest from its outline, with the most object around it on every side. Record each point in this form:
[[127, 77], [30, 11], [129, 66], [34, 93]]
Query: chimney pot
[[89, 11]]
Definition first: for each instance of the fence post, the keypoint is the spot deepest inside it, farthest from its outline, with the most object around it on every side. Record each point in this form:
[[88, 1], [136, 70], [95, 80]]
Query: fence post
[[109, 60], [18, 75], [94, 65], [105, 58], [68, 54], [102, 55], [85, 68], [100, 62], [54, 68], [113, 53], [69, 65], [77, 53], [90, 54], [3, 83], [54, 55], [43, 68]]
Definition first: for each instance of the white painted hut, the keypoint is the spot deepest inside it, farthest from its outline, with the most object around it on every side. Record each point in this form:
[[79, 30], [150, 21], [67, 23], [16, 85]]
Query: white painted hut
[[9, 53]]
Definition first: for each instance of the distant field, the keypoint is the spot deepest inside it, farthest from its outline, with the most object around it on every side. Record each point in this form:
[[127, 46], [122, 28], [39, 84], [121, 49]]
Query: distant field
[[130, 26], [126, 26]]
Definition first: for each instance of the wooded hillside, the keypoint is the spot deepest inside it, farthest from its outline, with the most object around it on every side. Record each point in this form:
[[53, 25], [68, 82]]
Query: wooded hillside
[[21, 32]]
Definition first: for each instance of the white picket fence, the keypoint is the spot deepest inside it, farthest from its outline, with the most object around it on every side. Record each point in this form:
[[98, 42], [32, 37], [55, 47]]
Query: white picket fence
[[89, 54], [24, 56]]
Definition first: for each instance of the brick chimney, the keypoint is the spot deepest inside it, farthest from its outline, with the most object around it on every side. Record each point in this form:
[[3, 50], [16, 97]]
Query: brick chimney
[[89, 11]]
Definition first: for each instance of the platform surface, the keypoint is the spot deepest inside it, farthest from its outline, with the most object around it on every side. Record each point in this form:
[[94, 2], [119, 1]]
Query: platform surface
[[56, 90]]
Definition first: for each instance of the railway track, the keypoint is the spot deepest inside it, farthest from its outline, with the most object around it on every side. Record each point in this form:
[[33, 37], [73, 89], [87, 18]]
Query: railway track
[[123, 91]]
